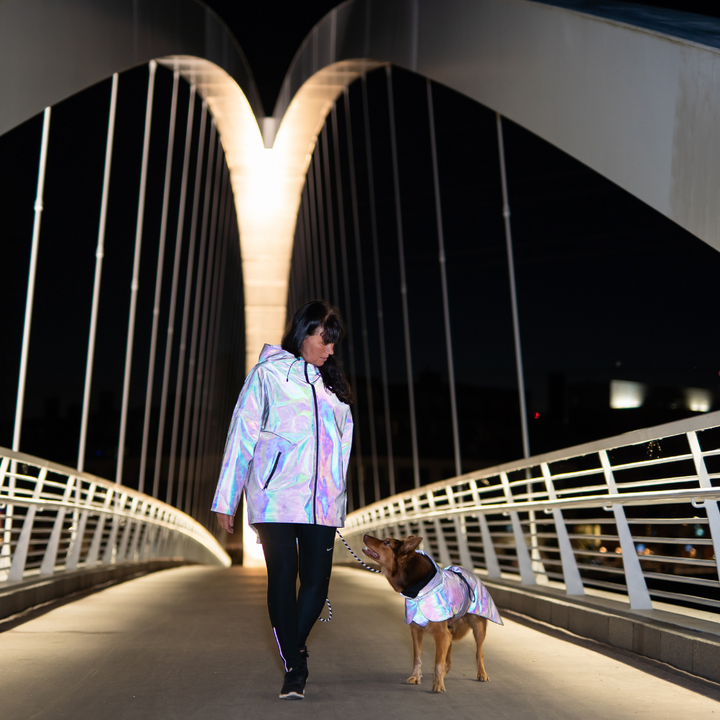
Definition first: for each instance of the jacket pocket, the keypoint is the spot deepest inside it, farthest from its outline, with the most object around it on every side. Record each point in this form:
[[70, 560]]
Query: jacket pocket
[[272, 472]]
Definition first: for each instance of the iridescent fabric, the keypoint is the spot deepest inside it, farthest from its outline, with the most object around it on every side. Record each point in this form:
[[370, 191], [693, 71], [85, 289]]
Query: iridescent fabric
[[288, 446], [448, 596]]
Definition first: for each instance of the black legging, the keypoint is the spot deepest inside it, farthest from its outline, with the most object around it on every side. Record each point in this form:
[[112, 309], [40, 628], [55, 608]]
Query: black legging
[[287, 547]]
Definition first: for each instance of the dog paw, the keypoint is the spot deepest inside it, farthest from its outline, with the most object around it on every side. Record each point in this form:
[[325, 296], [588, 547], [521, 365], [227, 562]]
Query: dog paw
[[438, 687], [483, 678], [414, 680]]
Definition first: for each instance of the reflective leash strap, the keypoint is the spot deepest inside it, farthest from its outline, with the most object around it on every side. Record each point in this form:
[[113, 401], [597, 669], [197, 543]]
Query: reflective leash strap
[[367, 567]]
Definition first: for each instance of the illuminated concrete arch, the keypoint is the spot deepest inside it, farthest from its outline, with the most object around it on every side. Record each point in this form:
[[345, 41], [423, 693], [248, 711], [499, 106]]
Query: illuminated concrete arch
[[639, 106], [636, 105]]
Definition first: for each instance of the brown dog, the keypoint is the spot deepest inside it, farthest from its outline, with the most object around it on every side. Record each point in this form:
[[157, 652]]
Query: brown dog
[[408, 572]]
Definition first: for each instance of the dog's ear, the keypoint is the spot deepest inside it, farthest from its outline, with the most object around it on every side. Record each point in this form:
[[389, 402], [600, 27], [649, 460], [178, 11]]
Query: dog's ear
[[410, 545]]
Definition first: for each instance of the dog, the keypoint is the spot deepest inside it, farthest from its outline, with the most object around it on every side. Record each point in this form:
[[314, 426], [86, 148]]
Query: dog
[[447, 603]]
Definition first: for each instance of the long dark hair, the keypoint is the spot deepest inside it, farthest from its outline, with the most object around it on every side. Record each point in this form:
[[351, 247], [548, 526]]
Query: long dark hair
[[311, 316]]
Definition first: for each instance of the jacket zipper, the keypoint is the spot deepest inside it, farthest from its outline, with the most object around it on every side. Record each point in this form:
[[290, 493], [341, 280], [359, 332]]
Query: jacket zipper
[[272, 472], [317, 445]]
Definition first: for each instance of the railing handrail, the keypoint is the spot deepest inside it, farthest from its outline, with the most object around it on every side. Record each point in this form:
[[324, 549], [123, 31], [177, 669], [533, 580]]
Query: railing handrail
[[607, 501], [143, 508], [72, 472], [634, 437]]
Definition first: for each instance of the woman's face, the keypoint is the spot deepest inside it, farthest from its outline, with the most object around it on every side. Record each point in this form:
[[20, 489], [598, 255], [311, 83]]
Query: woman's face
[[315, 350]]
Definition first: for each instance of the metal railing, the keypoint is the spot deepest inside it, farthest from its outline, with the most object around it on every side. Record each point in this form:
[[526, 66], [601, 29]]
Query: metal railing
[[635, 514], [54, 519]]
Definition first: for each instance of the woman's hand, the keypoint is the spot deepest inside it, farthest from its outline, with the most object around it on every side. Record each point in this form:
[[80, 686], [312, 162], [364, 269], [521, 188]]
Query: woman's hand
[[226, 522]]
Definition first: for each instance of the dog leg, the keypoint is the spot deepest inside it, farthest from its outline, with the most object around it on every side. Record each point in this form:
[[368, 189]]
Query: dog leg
[[448, 657], [479, 630], [443, 640], [417, 635]]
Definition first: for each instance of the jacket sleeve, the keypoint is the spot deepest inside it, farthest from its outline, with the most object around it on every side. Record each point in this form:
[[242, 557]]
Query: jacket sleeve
[[244, 432], [347, 439]]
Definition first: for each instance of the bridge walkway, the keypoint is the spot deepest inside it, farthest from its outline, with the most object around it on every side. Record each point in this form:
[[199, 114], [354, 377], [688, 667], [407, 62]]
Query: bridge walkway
[[194, 643]]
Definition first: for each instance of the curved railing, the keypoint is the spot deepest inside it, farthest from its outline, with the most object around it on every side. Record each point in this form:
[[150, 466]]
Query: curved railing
[[54, 519], [635, 514]]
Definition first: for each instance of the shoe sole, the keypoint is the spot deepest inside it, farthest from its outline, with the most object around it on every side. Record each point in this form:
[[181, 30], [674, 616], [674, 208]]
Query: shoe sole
[[292, 696]]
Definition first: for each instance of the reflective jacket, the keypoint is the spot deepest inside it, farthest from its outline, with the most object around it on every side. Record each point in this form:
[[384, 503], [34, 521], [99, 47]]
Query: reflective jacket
[[288, 446], [451, 593]]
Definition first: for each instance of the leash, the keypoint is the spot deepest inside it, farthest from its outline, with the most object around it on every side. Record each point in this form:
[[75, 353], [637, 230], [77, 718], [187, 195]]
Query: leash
[[329, 617], [367, 567]]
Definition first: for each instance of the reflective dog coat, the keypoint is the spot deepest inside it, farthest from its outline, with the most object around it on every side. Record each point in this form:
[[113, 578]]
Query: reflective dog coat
[[451, 593]]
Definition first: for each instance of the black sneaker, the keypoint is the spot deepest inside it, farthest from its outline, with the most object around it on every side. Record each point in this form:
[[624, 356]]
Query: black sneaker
[[303, 668], [293, 686]]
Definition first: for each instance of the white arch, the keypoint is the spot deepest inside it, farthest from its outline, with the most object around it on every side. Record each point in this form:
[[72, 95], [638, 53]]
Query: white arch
[[639, 106]]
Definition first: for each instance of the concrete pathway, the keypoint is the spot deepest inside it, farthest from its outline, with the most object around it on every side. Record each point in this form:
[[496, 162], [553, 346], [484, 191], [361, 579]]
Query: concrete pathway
[[195, 642]]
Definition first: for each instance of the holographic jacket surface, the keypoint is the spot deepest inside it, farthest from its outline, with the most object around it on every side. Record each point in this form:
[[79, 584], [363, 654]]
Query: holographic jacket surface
[[288, 446], [448, 596]]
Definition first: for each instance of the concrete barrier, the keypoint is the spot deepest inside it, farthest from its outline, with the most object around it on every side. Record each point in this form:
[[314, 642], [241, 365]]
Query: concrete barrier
[[16, 597], [686, 642]]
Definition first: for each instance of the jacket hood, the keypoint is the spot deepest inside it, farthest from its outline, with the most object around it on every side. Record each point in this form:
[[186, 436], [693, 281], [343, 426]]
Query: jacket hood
[[287, 363]]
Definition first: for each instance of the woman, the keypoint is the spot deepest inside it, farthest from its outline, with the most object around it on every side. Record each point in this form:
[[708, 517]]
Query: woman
[[288, 447]]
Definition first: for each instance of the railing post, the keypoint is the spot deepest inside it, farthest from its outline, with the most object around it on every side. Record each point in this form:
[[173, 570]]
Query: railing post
[[126, 532], [634, 578], [571, 574], [74, 554], [442, 544], [162, 543], [6, 534], [491, 562], [711, 506], [92, 557], [460, 532], [140, 527], [51, 552], [112, 539], [17, 569], [149, 538], [523, 556]]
